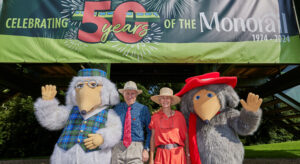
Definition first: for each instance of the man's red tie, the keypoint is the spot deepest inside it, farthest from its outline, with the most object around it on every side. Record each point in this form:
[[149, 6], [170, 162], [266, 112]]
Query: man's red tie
[[127, 128]]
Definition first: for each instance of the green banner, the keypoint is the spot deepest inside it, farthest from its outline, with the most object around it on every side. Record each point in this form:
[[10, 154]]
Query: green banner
[[148, 31]]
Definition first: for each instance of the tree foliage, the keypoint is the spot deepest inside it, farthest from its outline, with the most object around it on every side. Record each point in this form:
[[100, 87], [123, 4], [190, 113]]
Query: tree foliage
[[20, 133], [269, 131]]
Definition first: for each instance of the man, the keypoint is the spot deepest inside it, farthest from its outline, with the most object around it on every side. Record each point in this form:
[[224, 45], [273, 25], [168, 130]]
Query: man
[[135, 117]]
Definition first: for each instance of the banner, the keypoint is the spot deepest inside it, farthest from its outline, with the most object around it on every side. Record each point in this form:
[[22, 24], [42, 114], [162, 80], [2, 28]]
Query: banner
[[148, 31]]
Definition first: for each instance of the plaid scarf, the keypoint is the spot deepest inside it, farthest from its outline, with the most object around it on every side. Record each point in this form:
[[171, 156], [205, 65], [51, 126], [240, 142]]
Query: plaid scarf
[[77, 129]]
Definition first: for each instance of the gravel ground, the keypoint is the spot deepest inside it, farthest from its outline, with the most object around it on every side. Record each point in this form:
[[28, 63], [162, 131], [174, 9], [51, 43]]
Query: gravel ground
[[246, 161]]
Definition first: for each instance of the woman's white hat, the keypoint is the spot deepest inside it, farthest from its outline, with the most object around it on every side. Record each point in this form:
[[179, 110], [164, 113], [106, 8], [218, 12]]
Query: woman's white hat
[[166, 92], [130, 85]]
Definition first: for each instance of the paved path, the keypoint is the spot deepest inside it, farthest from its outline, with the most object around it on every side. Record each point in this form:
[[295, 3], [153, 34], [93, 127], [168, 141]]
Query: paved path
[[246, 161]]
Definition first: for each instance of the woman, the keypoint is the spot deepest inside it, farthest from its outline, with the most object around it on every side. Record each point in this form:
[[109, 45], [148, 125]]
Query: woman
[[169, 131]]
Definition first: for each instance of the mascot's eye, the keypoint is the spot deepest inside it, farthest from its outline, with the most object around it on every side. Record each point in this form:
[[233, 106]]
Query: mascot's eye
[[209, 95], [79, 85], [93, 83], [197, 97]]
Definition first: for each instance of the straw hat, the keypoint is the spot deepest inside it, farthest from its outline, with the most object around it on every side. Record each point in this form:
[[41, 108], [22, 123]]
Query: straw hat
[[130, 85], [166, 92]]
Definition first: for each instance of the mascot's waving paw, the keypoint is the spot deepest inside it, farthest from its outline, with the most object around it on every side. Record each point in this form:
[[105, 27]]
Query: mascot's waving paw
[[253, 102], [48, 92]]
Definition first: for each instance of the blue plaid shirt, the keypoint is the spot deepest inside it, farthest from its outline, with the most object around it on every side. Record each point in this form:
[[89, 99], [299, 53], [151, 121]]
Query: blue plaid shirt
[[140, 119]]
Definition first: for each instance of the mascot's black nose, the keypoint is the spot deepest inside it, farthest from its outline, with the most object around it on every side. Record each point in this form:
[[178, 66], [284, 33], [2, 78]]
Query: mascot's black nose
[[83, 112], [206, 121]]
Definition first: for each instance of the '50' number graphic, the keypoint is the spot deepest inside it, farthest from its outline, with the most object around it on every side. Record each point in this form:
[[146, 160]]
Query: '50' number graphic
[[118, 26]]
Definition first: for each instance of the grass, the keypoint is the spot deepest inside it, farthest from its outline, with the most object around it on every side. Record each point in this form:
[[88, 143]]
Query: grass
[[276, 150]]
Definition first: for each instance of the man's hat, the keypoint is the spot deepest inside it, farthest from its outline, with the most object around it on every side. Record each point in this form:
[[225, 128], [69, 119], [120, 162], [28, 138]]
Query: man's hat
[[206, 79], [130, 85], [166, 92], [91, 72]]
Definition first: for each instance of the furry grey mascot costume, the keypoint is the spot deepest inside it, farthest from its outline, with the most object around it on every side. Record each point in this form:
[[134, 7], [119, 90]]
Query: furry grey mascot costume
[[91, 129], [208, 103]]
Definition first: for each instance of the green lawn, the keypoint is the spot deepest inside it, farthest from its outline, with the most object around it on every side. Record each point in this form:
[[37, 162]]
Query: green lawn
[[276, 150]]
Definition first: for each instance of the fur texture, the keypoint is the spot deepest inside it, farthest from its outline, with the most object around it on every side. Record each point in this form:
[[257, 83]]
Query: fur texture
[[218, 141], [111, 135], [54, 117], [50, 115]]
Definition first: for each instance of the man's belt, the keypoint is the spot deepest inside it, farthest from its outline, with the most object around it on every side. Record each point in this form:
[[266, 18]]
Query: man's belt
[[168, 146]]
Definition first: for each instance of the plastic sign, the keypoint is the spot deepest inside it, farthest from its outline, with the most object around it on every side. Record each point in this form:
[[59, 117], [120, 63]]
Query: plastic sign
[[149, 31], [125, 32]]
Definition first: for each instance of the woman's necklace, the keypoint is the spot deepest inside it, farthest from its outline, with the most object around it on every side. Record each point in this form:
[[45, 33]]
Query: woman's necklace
[[165, 122], [170, 113]]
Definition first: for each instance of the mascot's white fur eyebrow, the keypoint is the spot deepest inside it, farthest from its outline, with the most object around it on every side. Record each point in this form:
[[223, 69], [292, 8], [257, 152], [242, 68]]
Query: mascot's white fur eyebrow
[[53, 116]]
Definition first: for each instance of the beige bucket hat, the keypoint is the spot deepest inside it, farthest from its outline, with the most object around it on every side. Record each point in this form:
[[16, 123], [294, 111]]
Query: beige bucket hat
[[166, 92], [130, 85]]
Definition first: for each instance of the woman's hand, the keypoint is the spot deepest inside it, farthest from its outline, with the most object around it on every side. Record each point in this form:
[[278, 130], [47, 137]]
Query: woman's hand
[[151, 161], [188, 159], [145, 155]]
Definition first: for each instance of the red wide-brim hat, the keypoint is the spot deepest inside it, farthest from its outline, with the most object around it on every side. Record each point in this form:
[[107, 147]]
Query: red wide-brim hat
[[206, 79]]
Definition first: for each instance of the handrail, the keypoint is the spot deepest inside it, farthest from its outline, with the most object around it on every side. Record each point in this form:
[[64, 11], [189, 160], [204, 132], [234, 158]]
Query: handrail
[[296, 16]]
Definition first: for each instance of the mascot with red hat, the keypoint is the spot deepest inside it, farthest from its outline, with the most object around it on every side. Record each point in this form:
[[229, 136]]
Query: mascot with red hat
[[208, 104]]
